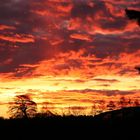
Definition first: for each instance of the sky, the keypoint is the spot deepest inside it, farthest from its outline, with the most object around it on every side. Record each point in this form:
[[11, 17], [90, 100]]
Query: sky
[[68, 53]]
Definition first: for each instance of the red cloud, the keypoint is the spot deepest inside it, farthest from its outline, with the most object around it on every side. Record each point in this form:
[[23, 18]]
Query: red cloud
[[18, 38]]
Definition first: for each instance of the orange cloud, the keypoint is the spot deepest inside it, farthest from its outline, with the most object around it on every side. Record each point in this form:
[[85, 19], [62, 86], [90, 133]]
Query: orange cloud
[[3, 27], [65, 8], [18, 38], [115, 11], [74, 64]]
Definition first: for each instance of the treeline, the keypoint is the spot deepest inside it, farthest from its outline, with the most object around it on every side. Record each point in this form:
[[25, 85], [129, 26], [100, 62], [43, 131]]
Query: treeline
[[122, 102], [24, 107]]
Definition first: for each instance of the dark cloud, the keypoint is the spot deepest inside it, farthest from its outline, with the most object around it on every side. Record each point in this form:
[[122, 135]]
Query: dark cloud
[[87, 101], [85, 9], [106, 80], [68, 64], [14, 11], [138, 69], [82, 10], [77, 108], [104, 92], [116, 23], [114, 48], [105, 85]]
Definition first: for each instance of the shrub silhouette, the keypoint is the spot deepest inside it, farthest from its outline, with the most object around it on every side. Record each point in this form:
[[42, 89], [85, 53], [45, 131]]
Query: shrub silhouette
[[22, 107]]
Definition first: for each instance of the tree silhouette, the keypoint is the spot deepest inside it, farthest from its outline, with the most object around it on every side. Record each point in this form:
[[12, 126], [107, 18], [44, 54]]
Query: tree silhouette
[[47, 110], [138, 69], [133, 15], [93, 109], [130, 101], [22, 107]]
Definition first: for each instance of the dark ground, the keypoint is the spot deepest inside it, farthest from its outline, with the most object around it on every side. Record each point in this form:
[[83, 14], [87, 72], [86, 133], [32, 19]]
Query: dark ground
[[119, 124]]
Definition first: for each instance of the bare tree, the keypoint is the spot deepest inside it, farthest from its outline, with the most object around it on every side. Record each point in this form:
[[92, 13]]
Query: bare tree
[[77, 110], [47, 110], [22, 107], [93, 109], [129, 102]]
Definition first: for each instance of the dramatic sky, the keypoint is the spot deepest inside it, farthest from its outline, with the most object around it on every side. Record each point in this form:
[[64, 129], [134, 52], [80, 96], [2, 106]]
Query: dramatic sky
[[68, 53]]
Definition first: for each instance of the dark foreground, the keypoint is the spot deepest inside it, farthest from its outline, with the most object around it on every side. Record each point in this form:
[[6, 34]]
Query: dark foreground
[[119, 124]]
